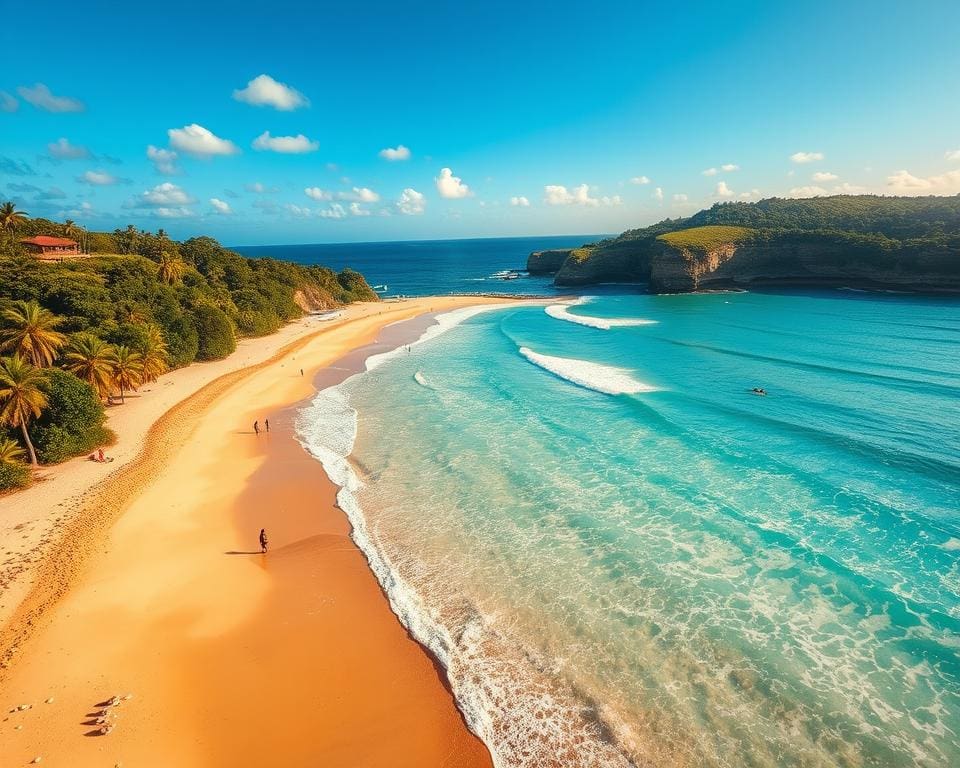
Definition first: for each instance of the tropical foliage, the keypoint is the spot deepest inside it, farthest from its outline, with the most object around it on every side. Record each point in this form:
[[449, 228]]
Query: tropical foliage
[[22, 398], [29, 332], [72, 423]]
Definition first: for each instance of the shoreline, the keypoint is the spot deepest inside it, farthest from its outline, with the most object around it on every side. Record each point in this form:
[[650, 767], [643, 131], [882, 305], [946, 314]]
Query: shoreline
[[164, 616]]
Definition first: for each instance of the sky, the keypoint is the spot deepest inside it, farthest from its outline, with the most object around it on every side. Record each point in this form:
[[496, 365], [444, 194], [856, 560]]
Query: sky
[[300, 122]]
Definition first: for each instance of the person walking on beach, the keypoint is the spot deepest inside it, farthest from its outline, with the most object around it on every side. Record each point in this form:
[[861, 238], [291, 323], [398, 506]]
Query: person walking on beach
[[263, 540], [301, 371], [266, 423], [256, 427]]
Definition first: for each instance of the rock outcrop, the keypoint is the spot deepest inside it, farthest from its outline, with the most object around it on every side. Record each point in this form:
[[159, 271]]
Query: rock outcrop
[[546, 262]]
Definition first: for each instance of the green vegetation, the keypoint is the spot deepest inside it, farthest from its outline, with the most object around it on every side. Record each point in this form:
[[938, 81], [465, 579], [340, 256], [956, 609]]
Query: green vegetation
[[77, 333], [581, 254], [705, 238]]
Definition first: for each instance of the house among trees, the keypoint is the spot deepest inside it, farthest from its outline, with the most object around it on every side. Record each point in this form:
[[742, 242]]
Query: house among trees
[[49, 248]]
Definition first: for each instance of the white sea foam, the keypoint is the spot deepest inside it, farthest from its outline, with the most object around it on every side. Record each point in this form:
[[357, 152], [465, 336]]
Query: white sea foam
[[420, 379], [601, 378], [952, 544], [562, 312]]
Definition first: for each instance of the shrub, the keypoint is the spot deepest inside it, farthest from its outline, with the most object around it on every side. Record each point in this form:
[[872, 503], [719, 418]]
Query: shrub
[[215, 333], [14, 475], [73, 422], [183, 342]]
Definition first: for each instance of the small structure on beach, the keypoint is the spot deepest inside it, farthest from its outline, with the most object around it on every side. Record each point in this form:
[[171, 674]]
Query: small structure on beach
[[51, 248]]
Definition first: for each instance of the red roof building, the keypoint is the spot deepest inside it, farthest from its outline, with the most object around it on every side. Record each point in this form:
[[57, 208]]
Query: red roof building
[[48, 247]]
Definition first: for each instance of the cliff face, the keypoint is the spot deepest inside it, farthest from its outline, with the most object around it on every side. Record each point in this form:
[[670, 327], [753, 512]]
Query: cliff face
[[805, 261], [546, 262], [612, 262]]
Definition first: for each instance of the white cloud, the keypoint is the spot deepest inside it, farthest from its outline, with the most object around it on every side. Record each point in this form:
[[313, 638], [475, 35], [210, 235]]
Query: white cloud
[[356, 210], [400, 152], [165, 194], [220, 206], [62, 149], [611, 201], [301, 212], [808, 191], [639, 180], [710, 172], [8, 103], [806, 157], [411, 202], [316, 193], [729, 167], [164, 160], [41, 97], [723, 190], [658, 194], [904, 182], [954, 155], [519, 201], [198, 141], [362, 194], [264, 91], [557, 194], [849, 189], [679, 198], [450, 186], [99, 178], [173, 213], [824, 176], [752, 194], [288, 145], [335, 211]]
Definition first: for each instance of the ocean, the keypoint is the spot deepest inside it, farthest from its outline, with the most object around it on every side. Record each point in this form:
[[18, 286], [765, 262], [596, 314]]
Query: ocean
[[433, 267], [622, 555]]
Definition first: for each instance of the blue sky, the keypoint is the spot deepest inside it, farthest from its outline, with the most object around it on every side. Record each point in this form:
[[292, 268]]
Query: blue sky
[[268, 122]]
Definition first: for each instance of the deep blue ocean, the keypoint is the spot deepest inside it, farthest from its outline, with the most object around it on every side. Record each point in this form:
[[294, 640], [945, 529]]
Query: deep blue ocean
[[422, 268], [624, 557]]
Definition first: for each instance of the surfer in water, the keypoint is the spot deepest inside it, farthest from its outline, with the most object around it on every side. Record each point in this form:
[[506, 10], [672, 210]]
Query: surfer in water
[[759, 391]]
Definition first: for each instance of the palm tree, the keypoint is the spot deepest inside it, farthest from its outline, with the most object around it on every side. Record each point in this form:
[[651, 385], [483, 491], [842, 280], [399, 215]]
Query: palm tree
[[70, 229], [92, 360], [21, 398], [10, 217], [172, 267], [127, 369], [30, 333], [154, 354], [10, 452]]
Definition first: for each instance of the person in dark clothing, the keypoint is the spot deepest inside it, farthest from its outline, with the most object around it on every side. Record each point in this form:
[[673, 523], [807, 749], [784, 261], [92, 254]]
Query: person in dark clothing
[[256, 427], [263, 540], [301, 371], [266, 423]]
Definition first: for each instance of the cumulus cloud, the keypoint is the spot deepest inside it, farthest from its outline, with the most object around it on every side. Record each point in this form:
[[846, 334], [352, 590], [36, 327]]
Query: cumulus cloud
[[264, 91], [952, 155], [411, 202], [179, 212], [164, 160], [729, 167], [335, 211], [849, 189], [8, 103], [806, 157], [315, 193], [905, 183], [288, 145], [751, 195], [824, 176], [399, 152], [166, 194], [710, 172], [41, 97], [356, 210], [639, 180], [450, 186], [99, 179], [362, 194], [807, 191], [519, 201], [557, 194], [679, 198], [220, 206], [198, 141], [658, 194], [723, 190], [62, 149]]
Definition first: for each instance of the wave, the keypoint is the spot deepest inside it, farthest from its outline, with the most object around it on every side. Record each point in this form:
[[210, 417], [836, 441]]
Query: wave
[[561, 312], [421, 379], [600, 378]]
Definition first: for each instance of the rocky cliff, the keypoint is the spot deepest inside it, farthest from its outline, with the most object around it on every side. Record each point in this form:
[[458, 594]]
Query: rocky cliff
[[546, 262]]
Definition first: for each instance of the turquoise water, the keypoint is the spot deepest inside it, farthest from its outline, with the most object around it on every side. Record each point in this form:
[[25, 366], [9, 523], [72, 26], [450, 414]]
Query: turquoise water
[[622, 556]]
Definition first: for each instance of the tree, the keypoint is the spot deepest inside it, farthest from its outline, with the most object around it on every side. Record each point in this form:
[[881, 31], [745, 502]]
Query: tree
[[21, 397], [154, 352], [127, 369], [73, 421], [70, 229], [30, 333], [91, 360], [215, 332], [10, 217], [172, 267]]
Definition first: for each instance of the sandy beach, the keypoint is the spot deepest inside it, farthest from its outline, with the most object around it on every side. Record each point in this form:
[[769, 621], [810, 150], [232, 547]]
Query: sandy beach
[[153, 585]]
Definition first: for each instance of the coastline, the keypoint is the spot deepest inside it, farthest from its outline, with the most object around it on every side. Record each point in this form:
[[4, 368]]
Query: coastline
[[232, 657]]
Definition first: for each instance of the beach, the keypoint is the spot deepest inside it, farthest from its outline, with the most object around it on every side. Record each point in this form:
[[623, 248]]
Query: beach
[[151, 585]]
